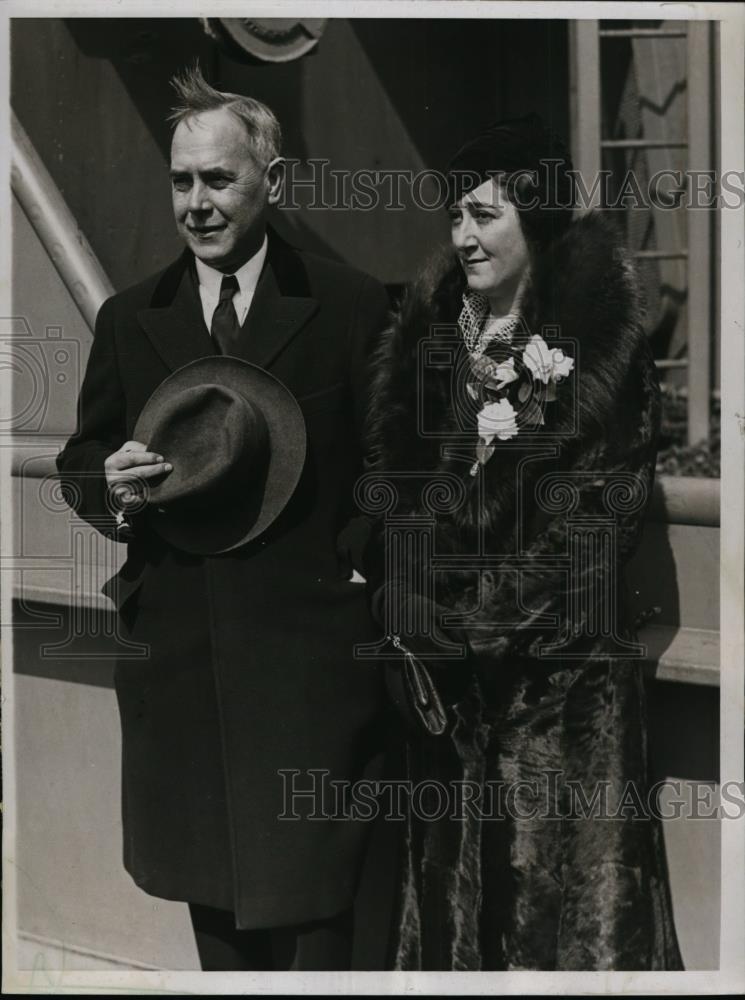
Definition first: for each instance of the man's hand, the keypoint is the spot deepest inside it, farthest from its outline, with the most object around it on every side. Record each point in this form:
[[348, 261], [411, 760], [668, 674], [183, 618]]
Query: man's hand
[[127, 469]]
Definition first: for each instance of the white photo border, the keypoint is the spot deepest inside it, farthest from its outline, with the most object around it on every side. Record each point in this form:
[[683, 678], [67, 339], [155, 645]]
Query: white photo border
[[730, 977]]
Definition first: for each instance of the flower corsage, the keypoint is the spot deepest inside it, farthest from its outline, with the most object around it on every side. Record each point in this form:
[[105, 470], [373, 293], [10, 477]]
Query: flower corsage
[[513, 389]]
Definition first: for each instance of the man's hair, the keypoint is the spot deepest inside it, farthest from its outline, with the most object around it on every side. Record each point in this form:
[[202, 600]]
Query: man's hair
[[195, 95]]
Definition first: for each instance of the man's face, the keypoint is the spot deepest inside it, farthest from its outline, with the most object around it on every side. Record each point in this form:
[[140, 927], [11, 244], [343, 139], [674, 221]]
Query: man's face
[[220, 192]]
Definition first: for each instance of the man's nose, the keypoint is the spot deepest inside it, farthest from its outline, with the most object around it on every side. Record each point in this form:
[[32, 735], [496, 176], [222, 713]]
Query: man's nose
[[198, 200]]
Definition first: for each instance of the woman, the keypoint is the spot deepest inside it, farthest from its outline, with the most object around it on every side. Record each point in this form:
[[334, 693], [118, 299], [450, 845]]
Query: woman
[[514, 419]]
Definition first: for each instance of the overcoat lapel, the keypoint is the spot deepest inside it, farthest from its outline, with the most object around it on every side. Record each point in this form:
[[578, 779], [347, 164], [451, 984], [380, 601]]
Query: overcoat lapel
[[174, 322], [281, 306]]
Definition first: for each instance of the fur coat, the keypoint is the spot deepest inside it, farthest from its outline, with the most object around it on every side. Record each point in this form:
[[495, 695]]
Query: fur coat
[[525, 567]]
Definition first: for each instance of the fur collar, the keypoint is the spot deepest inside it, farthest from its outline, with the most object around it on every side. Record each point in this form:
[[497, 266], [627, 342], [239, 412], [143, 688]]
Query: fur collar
[[585, 288]]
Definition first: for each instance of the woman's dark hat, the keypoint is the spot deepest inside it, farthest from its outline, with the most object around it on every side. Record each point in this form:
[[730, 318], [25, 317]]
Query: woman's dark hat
[[525, 153], [236, 439]]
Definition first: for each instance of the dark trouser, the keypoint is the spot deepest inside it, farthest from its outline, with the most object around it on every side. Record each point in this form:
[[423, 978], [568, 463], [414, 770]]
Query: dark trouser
[[325, 945]]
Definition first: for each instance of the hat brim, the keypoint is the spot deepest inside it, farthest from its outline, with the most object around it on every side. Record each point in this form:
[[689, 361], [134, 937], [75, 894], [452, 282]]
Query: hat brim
[[244, 519]]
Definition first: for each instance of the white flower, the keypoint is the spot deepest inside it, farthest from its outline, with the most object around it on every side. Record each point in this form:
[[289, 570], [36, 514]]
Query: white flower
[[490, 375], [545, 363], [497, 420], [504, 373], [562, 364]]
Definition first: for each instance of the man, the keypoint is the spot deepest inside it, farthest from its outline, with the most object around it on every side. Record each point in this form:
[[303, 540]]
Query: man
[[251, 668]]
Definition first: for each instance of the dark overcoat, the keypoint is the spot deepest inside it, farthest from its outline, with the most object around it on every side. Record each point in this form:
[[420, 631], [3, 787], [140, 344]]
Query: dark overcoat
[[251, 673], [526, 570]]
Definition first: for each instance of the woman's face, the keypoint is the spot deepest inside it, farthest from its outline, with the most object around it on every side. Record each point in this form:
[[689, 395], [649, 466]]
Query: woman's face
[[489, 241]]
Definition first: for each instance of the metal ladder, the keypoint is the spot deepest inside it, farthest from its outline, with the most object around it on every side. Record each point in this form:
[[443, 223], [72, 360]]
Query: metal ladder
[[588, 146]]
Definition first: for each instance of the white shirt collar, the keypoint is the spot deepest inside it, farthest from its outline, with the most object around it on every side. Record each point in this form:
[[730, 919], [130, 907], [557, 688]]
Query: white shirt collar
[[248, 275]]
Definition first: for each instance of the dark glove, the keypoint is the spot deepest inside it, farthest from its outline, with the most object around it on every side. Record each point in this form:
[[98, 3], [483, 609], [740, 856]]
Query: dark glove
[[351, 543], [419, 625]]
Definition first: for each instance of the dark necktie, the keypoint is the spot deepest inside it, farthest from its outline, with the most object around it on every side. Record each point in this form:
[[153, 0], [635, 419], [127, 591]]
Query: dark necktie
[[225, 326]]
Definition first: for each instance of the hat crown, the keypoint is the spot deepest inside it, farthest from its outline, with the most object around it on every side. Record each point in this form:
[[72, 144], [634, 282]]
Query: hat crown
[[510, 145], [213, 437], [236, 439]]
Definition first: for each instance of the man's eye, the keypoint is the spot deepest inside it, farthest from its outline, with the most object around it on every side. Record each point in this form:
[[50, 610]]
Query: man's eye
[[455, 218], [180, 183], [219, 182]]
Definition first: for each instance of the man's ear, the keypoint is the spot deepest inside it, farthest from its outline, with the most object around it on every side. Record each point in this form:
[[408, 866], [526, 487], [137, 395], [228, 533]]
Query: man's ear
[[275, 178]]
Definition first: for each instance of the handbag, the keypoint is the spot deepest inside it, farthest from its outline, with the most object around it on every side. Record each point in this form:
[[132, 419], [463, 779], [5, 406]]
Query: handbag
[[414, 692]]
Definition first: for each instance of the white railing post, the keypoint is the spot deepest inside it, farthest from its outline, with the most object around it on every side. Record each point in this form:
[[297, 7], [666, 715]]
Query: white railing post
[[584, 43], [699, 234]]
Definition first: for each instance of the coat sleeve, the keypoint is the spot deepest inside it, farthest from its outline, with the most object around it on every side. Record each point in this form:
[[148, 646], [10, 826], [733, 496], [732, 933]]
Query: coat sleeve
[[515, 603], [371, 316], [101, 430]]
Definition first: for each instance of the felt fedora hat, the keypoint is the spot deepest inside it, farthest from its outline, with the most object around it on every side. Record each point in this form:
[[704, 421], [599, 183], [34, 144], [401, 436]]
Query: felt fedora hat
[[236, 439]]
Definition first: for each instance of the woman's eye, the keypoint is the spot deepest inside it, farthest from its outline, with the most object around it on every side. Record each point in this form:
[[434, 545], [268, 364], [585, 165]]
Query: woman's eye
[[455, 218]]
